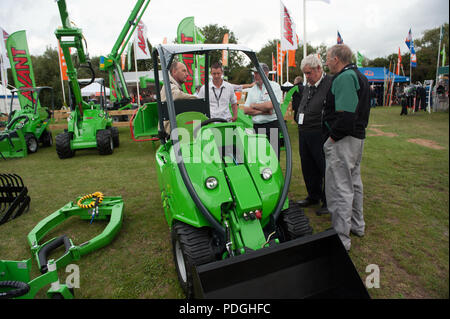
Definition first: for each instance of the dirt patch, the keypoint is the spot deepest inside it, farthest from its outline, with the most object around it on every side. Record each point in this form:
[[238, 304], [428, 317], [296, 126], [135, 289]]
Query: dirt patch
[[378, 132], [426, 143]]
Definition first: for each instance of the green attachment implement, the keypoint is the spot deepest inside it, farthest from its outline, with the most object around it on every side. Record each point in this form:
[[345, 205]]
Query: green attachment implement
[[144, 122], [15, 281], [101, 209], [14, 199]]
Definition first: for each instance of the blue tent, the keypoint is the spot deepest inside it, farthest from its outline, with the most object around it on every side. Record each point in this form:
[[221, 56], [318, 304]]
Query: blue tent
[[379, 75]]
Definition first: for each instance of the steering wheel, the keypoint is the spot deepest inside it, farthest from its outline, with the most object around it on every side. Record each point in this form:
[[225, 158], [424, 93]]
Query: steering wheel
[[206, 122], [10, 124]]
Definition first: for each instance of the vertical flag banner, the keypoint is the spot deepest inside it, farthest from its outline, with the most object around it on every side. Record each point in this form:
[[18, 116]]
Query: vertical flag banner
[[291, 58], [274, 63], [288, 33], [142, 51], [200, 60], [413, 55], [188, 33], [3, 53], [130, 44], [62, 63], [225, 52], [408, 39], [359, 59], [399, 62], [22, 69], [443, 56], [339, 38], [280, 58], [4, 63]]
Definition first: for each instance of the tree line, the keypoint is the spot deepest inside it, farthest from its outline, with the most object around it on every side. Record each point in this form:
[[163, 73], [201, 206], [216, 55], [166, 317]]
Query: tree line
[[46, 66]]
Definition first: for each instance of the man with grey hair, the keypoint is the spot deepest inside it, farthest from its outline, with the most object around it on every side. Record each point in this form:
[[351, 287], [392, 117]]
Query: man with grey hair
[[259, 106], [178, 74], [309, 119], [345, 119]]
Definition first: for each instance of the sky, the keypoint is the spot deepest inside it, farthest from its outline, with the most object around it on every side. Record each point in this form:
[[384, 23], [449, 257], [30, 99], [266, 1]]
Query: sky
[[376, 28]]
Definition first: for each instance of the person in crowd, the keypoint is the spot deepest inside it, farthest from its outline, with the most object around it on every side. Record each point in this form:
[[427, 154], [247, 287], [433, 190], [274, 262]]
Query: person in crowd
[[221, 95], [345, 119], [309, 119], [259, 106], [404, 104], [297, 96]]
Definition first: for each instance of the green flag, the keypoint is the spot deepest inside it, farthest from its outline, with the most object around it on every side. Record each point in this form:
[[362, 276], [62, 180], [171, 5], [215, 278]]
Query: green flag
[[443, 56], [359, 60], [22, 69], [130, 44], [188, 33]]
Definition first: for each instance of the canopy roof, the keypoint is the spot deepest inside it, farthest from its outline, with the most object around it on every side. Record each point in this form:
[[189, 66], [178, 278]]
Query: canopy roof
[[93, 88], [380, 74]]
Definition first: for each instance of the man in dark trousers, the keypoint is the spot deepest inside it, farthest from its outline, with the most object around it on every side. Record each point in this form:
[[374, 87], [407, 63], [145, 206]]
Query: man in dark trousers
[[345, 118], [297, 96], [309, 119]]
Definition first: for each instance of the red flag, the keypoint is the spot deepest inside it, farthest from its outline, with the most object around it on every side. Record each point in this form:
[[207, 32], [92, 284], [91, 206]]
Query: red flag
[[291, 59], [274, 63], [62, 63], [399, 62]]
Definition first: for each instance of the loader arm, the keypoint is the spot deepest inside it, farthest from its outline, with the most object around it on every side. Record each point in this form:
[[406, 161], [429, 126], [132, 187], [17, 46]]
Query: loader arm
[[71, 37], [111, 63]]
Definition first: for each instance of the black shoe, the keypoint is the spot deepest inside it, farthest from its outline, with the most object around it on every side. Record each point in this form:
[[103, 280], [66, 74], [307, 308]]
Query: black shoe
[[322, 211], [307, 202]]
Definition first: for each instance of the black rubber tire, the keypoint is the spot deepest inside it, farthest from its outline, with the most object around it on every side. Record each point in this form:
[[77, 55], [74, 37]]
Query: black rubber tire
[[32, 143], [293, 223], [62, 142], [47, 138], [19, 289], [105, 143], [190, 246], [115, 136]]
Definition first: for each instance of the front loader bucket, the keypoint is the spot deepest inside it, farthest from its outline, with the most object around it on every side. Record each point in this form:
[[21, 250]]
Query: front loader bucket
[[144, 123], [315, 266], [14, 199], [12, 144]]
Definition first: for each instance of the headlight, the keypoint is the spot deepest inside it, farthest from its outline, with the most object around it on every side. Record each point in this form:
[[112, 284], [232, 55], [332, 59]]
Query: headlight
[[266, 173], [211, 182]]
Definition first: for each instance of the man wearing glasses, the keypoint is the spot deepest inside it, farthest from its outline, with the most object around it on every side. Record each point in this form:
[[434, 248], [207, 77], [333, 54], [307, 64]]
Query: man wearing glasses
[[309, 119]]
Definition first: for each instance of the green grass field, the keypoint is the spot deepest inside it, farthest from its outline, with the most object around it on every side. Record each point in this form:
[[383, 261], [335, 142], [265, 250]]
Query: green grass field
[[406, 206]]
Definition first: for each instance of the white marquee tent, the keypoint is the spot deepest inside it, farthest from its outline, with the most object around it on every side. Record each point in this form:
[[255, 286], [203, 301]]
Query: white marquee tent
[[93, 88], [5, 100]]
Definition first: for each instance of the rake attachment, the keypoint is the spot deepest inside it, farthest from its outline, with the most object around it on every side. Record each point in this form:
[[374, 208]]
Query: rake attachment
[[14, 199]]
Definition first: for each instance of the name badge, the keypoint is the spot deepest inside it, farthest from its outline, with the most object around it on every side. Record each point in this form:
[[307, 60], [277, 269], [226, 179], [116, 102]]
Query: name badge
[[301, 116]]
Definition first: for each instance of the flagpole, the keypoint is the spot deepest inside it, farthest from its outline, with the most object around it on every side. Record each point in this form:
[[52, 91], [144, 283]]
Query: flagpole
[[136, 70], [4, 82], [287, 65], [304, 35]]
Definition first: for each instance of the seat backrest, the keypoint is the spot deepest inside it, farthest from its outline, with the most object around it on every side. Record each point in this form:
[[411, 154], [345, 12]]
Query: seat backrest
[[181, 106]]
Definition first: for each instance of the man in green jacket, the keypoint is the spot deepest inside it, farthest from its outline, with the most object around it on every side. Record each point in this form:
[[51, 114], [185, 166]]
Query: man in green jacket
[[345, 119]]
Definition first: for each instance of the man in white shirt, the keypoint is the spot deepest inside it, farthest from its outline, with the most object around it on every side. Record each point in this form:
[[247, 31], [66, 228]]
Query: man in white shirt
[[221, 95], [259, 106]]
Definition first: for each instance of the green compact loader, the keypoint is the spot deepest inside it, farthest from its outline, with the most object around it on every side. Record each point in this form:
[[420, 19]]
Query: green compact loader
[[27, 127], [234, 232], [89, 125]]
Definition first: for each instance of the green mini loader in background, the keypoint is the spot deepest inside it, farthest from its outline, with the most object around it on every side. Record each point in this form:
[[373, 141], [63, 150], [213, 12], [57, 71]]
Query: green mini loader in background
[[89, 125], [27, 127], [234, 232]]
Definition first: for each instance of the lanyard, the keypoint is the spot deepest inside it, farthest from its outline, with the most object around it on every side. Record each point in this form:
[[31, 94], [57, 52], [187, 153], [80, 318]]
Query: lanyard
[[218, 98]]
